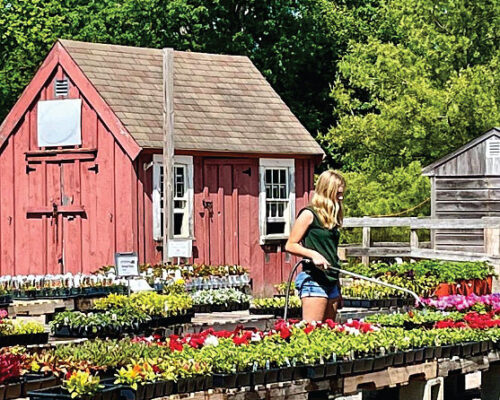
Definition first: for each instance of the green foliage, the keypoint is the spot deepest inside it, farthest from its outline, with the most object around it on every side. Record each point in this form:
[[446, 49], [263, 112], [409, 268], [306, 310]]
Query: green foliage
[[81, 383], [439, 271], [295, 44], [430, 88]]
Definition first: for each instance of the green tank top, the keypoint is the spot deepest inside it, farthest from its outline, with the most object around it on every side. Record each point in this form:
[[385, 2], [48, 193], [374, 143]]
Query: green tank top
[[325, 242]]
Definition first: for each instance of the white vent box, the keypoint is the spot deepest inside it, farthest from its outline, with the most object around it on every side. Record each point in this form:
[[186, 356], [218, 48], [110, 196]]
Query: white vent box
[[59, 123]]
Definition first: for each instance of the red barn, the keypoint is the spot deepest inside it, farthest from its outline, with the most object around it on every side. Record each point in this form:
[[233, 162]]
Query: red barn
[[81, 154]]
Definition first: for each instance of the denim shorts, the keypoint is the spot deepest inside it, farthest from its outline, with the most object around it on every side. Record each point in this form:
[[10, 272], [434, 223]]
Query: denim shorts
[[307, 287]]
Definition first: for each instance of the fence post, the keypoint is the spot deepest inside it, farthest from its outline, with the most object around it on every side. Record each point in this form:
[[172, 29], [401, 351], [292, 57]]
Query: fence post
[[492, 245], [413, 239], [366, 244]]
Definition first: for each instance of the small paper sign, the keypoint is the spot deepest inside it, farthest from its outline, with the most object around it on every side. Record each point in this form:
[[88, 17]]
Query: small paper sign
[[127, 264], [180, 248]]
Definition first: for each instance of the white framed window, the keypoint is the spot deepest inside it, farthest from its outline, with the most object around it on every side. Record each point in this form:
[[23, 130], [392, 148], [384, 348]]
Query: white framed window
[[276, 198], [182, 213]]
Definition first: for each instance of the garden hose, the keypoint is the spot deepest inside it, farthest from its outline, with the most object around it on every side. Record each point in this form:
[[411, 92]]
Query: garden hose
[[353, 274]]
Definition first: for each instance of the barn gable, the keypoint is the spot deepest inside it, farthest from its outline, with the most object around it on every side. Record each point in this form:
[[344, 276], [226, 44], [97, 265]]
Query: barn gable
[[61, 206], [59, 58], [476, 158]]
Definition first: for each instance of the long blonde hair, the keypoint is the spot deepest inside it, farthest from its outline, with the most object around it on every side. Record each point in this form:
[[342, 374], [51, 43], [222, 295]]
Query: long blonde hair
[[324, 200]]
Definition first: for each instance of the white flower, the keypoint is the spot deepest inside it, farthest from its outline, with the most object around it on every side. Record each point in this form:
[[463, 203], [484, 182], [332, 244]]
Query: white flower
[[255, 337], [211, 340]]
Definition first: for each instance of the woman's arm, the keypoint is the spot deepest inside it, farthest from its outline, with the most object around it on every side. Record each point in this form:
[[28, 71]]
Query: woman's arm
[[298, 231]]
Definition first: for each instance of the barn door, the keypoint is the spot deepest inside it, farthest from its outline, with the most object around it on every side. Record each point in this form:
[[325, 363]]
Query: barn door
[[228, 189], [56, 213]]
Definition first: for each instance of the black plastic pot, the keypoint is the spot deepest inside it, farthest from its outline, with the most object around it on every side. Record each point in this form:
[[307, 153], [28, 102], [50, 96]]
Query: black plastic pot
[[486, 346], [2, 391], [186, 385], [345, 367], [36, 381], [243, 379], [379, 362], [466, 350], [429, 353], [389, 360], [285, 374], [409, 356], [223, 381], [159, 389], [258, 377], [399, 358], [13, 390], [331, 369], [316, 371], [149, 390], [271, 375], [476, 348], [199, 383], [438, 351], [58, 393], [361, 365], [446, 351], [366, 304], [299, 372], [419, 355], [209, 382]]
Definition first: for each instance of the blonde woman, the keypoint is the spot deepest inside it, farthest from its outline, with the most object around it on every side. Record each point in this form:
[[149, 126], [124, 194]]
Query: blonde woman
[[315, 235]]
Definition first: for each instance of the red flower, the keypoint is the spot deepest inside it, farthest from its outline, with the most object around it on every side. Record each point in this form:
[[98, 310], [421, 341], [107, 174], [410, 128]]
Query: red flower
[[175, 343], [308, 329], [239, 340], [331, 324], [285, 333]]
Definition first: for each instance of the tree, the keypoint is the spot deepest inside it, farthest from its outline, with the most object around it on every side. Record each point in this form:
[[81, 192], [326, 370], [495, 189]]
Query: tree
[[290, 41], [430, 89], [426, 82]]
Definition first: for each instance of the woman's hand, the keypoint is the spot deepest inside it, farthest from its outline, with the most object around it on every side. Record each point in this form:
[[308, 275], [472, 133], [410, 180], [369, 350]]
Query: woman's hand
[[320, 261]]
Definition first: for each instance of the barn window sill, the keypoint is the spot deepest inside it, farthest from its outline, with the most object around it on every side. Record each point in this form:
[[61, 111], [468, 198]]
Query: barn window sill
[[272, 239]]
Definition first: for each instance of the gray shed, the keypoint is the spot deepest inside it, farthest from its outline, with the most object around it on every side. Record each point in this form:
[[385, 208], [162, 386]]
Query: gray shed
[[466, 184]]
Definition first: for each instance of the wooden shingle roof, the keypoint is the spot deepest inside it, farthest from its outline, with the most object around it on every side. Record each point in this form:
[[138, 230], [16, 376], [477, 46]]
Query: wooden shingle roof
[[222, 103]]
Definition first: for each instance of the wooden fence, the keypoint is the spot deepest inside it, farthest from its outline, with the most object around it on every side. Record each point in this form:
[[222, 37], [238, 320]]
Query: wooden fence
[[414, 249]]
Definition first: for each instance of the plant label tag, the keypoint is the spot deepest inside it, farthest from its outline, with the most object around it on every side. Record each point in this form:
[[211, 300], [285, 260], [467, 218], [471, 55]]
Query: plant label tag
[[127, 264]]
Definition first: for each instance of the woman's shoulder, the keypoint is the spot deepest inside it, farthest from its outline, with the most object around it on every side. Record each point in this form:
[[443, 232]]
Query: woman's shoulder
[[307, 212]]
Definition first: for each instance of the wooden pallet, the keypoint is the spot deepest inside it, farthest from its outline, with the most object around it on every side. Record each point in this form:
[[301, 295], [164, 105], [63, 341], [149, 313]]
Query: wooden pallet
[[467, 365], [389, 377], [42, 306]]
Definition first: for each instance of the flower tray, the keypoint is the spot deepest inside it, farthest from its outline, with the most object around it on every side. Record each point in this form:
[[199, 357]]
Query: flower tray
[[58, 393], [362, 365], [286, 374], [223, 381], [5, 299], [399, 358], [345, 367], [211, 308], [24, 340], [243, 379], [36, 381], [278, 311], [12, 390], [315, 371], [376, 303], [331, 369]]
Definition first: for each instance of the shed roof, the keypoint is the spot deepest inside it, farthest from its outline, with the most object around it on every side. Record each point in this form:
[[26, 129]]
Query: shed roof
[[431, 167], [221, 102]]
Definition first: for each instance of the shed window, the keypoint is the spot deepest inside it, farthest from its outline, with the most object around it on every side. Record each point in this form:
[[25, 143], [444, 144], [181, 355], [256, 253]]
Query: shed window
[[277, 198], [182, 197]]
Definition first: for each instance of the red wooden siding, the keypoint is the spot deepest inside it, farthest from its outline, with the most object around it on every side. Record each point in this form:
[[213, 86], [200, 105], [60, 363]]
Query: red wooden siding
[[97, 210]]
